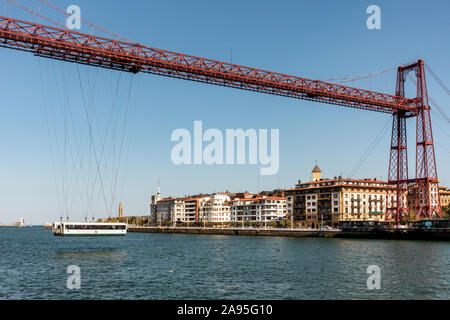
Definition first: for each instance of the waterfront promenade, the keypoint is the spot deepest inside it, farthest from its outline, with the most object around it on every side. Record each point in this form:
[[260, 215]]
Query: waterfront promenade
[[357, 233], [246, 231]]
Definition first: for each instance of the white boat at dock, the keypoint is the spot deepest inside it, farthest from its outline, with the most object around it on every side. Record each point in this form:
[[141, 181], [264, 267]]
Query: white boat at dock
[[68, 229]]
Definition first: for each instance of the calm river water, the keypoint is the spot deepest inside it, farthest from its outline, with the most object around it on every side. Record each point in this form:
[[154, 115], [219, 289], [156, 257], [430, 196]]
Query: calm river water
[[33, 265]]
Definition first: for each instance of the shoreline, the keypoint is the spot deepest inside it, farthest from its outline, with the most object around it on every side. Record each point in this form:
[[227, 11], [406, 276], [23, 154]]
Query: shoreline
[[387, 234]]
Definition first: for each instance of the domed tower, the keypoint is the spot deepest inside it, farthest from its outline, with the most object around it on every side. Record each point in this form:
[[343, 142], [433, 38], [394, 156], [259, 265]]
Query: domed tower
[[158, 196], [316, 174]]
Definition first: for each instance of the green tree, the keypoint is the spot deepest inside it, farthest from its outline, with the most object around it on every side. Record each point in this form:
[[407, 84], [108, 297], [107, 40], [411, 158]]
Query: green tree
[[446, 211]]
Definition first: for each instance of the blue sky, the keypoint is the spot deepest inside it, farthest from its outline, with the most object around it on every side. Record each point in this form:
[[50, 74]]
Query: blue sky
[[312, 39]]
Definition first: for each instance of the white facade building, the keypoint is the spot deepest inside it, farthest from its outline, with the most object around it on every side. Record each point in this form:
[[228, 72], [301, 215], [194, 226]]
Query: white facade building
[[261, 209], [215, 208], [167, 209]]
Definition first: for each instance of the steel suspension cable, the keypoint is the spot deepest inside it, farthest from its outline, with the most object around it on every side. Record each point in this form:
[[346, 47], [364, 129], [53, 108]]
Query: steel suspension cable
[[434, 104], [363, 76], [122, 139], [47, 104], [92, 140], [51, 5], [370, 149], [438, 80], [359, 77], [21, 6]]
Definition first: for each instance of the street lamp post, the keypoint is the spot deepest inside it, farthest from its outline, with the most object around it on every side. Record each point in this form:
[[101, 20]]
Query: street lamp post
[[292, 220]]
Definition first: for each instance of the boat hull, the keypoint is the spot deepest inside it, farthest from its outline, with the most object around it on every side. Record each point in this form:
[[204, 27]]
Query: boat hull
[[89, 229], [90, 235]]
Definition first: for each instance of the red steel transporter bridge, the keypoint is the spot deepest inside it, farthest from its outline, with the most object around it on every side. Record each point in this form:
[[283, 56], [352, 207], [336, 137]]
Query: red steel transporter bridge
[[70, 46]]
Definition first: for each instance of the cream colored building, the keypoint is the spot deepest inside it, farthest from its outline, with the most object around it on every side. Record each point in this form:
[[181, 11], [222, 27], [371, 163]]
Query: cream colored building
[[444, 194], [331, 201]]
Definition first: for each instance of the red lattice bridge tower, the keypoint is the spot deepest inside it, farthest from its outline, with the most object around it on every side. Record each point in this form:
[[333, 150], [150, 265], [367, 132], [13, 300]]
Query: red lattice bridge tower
[[75, 47], [424, 189]]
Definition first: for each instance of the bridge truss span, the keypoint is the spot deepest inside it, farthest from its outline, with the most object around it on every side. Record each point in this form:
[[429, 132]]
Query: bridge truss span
[[71, 46]]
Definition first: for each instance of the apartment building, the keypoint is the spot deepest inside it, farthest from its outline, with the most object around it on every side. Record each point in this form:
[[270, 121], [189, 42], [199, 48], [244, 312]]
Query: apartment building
[[167, 209], [190, 209], [444, 194], [330, 201], [310, 204], [258, 209], [215, 208]]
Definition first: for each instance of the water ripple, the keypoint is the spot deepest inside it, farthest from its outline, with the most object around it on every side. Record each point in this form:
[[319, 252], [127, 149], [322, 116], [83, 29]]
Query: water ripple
[[34, 265]]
